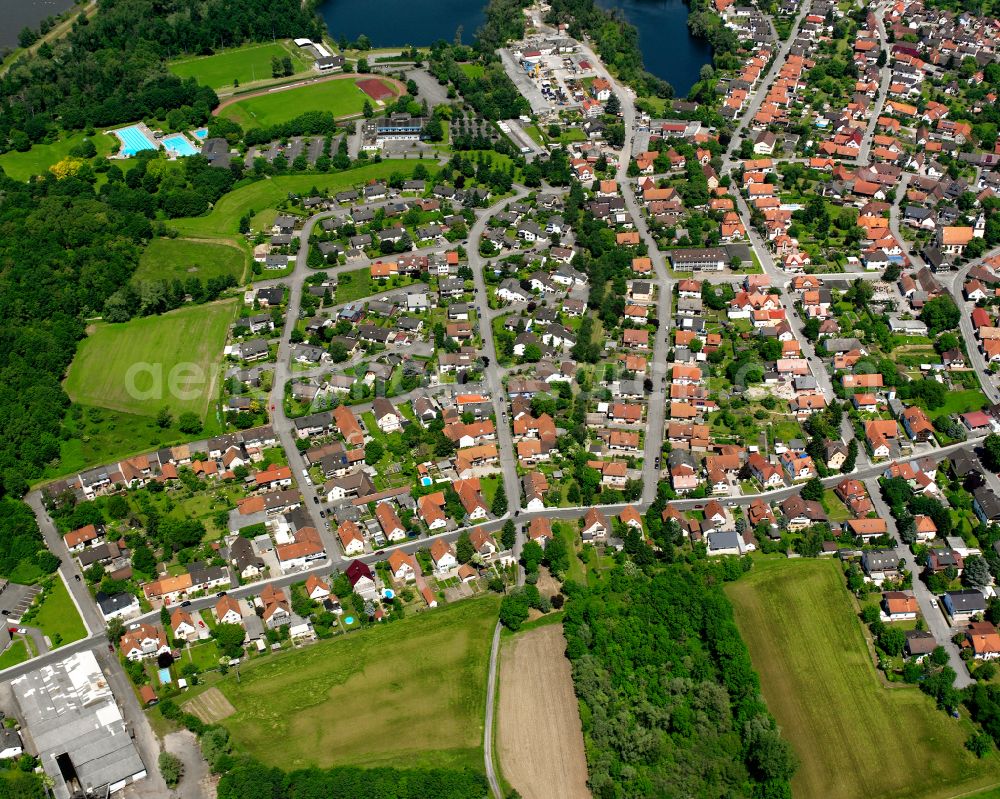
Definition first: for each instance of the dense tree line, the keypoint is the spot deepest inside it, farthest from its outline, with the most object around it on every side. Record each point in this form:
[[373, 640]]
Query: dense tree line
[[111, 68], [670, 703], [248, 779], [63, 252], [504, 23], [20, 539], [492, 94]]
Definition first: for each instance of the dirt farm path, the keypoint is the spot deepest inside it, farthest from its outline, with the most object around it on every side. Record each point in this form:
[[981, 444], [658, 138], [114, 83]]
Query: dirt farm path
[[540, 742]]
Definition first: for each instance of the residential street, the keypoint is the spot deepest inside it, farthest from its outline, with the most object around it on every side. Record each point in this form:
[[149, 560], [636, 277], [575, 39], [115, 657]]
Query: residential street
[[937, 622]]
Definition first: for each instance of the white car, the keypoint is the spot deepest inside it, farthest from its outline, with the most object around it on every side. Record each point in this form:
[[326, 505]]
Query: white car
[[934, 603]]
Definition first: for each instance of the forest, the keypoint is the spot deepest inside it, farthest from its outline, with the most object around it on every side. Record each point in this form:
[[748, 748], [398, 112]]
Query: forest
[[670, 703], [110, 68]]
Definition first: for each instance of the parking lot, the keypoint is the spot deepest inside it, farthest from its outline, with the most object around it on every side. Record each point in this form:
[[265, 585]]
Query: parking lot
[[15, 599]]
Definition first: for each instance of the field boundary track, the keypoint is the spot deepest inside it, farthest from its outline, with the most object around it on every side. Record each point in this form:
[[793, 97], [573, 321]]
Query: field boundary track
[[539, 735]]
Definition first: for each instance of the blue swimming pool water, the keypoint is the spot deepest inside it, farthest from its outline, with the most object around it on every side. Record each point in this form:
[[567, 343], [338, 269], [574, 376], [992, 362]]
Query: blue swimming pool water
[[178, 144], [134, 140], [349, 620], [425, 481], [201, 133], [388, 593], [164, 676]]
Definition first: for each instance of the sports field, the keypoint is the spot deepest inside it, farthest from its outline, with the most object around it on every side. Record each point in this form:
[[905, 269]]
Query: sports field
[[145, 364], [37, 160], [169, 259], [340, 97], [412, 692], [853, 736], [246, 64], [539, 737]]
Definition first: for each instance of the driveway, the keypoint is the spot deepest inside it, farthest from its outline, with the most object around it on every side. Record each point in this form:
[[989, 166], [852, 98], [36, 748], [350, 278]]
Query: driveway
[[197, 782]]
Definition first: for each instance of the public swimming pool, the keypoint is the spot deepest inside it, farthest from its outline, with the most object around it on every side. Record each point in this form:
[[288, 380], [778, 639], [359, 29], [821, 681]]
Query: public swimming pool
[[201, 133], [134, 140], [177, 143]]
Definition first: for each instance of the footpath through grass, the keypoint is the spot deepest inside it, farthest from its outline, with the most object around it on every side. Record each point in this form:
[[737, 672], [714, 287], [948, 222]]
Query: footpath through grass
[[853, 735], [143, 365], [411, 691]]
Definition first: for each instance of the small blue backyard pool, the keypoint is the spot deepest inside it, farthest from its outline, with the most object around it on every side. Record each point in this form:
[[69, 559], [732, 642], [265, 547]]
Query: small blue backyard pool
[[349, 620], [164, 676]]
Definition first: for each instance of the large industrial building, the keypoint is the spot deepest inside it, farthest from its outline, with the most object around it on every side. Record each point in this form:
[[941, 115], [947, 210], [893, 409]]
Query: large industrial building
[[74, 724]]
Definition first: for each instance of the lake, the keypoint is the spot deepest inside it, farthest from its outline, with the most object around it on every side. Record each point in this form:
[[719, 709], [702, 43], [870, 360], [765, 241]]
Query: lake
[[669, 51], [390, 23], [16, 14]]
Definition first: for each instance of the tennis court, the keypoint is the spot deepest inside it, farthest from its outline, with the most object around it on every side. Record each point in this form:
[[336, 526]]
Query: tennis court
[[134, 140], [178, 144]]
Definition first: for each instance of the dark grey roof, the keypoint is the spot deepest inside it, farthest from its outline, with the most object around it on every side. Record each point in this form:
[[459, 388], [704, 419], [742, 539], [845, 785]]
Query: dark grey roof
[[968, 600]]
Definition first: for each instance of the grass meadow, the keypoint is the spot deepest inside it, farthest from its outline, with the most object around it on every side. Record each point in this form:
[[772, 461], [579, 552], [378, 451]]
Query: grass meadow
[[224, 218], [245, 64], [103, 372], [854, 735], [37, 160], [411, 691], [169, 259]]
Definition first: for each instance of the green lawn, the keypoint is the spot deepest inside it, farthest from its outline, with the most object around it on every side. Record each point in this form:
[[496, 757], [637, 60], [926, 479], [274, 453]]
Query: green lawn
[[473, 70], [16, 653], [853, 736], [57, 615], [117, 365], [204, 655], [224, 218], [167, 259], [37, 160], [342, 98], [835, 509], [246, 64], [412, 692], [962, 401], [356, 285]]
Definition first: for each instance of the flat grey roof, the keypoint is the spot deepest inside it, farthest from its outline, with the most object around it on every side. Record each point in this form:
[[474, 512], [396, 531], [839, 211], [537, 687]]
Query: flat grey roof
[[69, 708]]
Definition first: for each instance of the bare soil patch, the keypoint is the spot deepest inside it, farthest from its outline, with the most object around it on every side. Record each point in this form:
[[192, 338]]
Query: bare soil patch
[[547, 585], [539, 738], [210, 706]]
